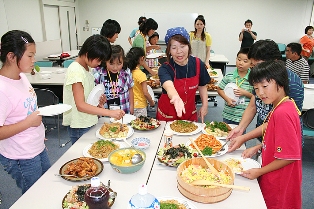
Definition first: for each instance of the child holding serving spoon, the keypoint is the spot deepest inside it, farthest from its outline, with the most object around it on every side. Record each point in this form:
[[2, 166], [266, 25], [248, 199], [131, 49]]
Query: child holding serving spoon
[[281, 173]]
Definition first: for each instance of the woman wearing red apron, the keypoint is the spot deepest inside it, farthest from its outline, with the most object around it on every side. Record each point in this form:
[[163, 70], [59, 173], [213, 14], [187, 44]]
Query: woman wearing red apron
[[181, 77]]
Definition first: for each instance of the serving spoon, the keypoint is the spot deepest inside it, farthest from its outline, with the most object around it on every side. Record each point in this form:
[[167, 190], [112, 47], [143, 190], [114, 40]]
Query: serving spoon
[[136, 158]]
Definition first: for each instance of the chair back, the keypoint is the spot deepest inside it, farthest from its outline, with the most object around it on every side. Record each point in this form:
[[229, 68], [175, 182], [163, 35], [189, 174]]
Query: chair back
[[44, 63], [66, 63], [46, 97], [282, 48]]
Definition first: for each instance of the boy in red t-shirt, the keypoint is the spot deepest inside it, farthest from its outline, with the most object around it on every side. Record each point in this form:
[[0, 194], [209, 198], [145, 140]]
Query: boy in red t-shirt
[[281, 173]]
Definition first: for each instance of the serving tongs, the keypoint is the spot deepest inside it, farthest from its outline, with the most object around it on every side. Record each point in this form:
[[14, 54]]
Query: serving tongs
[[210, 166], [203, 182]]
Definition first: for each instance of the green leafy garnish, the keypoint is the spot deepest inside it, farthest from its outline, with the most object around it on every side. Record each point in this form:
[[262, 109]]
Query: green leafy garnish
[[168, 206], [102, 143], [113, 129], [208, 151], [220, 125], [214, 72], [37, 68]]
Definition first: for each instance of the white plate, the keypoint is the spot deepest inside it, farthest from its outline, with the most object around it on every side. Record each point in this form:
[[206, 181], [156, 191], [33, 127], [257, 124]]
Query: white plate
[[94, 95], [151, 92], [45, 72], [247, 163], [130, 133], [127, 118], [52, 110], [187, 144], [180, 200], [309, 86], [60, 70], [199, 127], [229, 91], [86, 154]]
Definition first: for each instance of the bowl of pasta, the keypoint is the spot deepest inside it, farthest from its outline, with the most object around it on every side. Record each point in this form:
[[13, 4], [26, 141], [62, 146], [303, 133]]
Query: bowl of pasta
[[204, 194], [120, 160]]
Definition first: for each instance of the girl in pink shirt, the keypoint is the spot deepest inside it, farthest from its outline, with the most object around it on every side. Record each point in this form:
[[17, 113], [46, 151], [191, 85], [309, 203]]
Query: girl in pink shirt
[[22, 133]]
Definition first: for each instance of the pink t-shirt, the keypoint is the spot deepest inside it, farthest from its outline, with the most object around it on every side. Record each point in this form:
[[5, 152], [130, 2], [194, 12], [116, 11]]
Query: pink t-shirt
[[282, 188], [18, 100]]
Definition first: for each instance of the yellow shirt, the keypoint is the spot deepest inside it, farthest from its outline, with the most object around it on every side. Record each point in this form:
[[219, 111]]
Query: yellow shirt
[[208, 38], [139, 98], [74, 118]]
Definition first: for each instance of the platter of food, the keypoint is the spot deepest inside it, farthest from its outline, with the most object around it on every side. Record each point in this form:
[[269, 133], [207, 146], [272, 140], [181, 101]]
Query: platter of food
[[114, 131], [240, 164], [175, 202], [183, 127], [101, 149], [82, 169], [173, 156], [75, 197], [213, 73], [217, 129], [145, 123], [208, 145]]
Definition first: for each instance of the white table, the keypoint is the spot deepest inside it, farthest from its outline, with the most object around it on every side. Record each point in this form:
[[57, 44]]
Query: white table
[[49, 190], [56, 57], [308, 102], [219, 61], [163, 182], [55, 77]]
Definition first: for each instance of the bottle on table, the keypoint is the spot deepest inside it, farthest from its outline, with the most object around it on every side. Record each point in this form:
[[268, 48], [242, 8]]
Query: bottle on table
[[143, 199], [97, 196], [168, 138]]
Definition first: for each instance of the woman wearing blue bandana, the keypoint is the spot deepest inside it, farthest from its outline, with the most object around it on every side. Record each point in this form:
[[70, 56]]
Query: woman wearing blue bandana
[[181, 76]]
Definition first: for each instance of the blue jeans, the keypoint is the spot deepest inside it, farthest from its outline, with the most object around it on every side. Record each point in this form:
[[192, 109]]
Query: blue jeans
[[26, 171], [76, 133]]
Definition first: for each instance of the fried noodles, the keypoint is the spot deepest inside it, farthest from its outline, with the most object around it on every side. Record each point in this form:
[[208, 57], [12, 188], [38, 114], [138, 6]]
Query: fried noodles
[[182, 126], [102, 149]]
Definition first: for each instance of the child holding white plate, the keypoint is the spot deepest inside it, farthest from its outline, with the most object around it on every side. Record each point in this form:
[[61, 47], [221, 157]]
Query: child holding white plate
[[23, 153], [233, 110], [136, 58], [280, 177], [78, 84], [117, 80]]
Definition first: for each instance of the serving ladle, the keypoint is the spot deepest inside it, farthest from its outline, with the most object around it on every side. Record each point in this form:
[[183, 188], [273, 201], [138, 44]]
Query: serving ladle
[[136, 158]]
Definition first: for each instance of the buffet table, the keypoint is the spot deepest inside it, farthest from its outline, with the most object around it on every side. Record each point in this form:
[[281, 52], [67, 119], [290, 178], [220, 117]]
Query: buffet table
[[49, 190]]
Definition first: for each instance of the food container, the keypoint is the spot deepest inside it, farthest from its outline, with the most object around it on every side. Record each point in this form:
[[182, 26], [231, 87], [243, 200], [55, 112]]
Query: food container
[[126, 168], [201, 194], [168, 138], [141, 143]]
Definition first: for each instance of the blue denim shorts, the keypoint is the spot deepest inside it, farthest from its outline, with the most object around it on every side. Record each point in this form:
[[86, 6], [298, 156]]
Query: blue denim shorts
[[27, 171], [76, 133]]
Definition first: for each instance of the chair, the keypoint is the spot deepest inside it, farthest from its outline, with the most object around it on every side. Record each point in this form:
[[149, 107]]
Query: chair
[[47, 97], [282, 48], [66, 63], [44, 63]]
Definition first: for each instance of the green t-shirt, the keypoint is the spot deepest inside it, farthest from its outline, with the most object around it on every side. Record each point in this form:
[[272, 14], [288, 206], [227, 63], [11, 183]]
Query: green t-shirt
[[74, 118], [235, 113]]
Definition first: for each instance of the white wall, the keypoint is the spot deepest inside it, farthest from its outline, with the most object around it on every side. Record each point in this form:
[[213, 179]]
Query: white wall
[[281, 20]]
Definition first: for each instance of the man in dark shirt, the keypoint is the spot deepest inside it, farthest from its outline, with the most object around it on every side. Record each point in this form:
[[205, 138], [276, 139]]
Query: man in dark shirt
[[247, 36]]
